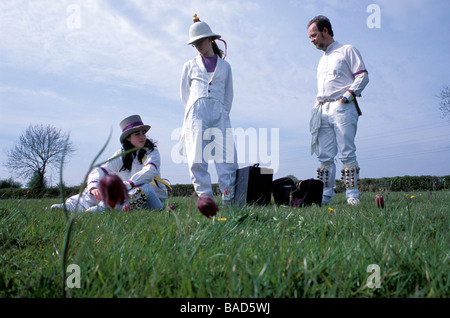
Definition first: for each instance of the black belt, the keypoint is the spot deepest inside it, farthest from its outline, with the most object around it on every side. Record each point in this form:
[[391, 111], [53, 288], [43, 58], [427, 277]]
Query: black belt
[[355, 102]]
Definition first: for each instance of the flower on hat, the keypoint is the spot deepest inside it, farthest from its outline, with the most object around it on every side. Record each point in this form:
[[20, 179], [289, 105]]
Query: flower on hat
[[196, 18], [112, 191], [207, 206]]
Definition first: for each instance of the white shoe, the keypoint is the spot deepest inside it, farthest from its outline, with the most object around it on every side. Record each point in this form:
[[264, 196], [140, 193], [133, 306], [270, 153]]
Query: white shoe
[[353, 201]]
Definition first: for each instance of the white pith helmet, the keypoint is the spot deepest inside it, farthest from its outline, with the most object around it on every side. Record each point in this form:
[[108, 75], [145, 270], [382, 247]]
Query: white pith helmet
[[200, 30]]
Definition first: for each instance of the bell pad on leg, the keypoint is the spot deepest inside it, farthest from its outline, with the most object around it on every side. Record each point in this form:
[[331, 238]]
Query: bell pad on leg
[[138, 198], [323, 174], [350, 175]]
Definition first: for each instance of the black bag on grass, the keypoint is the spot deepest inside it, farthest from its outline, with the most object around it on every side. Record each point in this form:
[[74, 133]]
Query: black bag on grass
[[281, 190], [253, 185], [307, 192]]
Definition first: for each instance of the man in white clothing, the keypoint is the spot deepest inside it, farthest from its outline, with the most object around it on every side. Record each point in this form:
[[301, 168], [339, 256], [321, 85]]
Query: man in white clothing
[[341, 77]]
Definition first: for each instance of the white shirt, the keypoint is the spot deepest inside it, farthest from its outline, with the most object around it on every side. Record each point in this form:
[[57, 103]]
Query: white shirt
[[196, 82], [340, 71]]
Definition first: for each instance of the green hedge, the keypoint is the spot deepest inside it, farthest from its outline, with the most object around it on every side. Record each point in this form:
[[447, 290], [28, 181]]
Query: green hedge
[[405, 183], [395, 184], [179, 190], [13, 193], [186, 190]]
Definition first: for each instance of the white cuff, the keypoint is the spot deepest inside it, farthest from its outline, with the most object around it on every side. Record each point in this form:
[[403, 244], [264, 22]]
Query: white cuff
[[127, 185], [348, 95]]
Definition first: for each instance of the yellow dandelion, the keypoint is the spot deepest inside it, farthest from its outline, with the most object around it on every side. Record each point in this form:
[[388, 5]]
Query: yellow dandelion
[[221, 219], [412, 196], [331, 209]]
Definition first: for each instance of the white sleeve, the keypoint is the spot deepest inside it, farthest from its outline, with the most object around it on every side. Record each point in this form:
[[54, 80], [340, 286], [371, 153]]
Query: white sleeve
[[111, 167], [185, 86], [149, 170], [360, 74], [228, 99]]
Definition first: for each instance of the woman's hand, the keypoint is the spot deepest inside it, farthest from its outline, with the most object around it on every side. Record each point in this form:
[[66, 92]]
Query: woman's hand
[[96, 193]]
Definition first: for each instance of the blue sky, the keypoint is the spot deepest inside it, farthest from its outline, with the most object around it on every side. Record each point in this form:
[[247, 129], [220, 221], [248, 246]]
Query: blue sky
[[83, 66]]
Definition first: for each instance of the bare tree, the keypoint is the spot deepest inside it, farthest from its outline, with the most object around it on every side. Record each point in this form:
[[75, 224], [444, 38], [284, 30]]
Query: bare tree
[[444, 104], [40, 148]]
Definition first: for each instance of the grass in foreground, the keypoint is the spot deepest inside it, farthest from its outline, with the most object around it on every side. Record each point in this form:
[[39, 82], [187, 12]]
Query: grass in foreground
[[253, 251]]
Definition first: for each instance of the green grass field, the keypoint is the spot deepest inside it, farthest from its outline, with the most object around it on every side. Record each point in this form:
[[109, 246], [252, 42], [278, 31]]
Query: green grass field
[[254, 251]]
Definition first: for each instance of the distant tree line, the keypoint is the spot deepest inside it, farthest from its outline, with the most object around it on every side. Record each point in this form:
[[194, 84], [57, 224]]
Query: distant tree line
[[9, 183], [10, 189], [401, 184]]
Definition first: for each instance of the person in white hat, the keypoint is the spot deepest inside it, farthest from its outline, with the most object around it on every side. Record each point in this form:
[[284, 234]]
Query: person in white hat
[[139, 168], [207, 95]]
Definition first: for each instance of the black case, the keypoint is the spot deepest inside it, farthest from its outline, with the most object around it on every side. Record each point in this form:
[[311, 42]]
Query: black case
[[307, 192], [253, 185], [282, 189]]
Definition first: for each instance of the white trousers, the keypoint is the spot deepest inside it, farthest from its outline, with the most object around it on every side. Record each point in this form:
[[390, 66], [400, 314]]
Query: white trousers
[[337, 134], [86, 201], [208, 136]]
